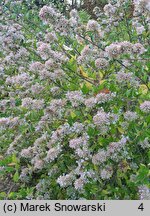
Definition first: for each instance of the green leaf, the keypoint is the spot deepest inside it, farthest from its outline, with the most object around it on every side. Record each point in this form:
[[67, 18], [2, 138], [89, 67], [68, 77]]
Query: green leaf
[[143, 173], [16, 177]]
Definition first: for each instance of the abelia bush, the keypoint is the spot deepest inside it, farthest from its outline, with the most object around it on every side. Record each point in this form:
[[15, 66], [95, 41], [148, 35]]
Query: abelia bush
[[75, 103]]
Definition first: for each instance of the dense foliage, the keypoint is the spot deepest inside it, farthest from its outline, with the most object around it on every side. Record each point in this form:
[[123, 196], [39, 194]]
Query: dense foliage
[[75, 102]]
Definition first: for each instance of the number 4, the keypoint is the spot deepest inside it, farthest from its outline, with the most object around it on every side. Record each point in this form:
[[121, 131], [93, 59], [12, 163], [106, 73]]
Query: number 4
[[141, 207]]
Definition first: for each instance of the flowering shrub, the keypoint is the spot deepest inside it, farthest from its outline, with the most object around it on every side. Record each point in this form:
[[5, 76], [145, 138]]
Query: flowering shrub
[[75, 103]]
